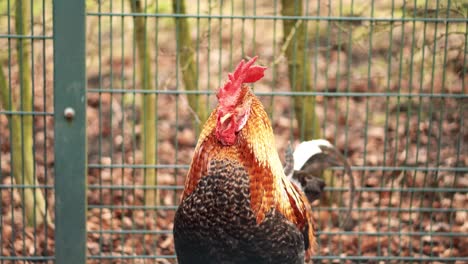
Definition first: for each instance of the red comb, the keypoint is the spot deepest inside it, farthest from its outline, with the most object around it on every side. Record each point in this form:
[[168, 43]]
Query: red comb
[[245, 72]]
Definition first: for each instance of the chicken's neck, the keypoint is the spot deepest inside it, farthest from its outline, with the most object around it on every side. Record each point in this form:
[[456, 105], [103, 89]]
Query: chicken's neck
[[255, 149]]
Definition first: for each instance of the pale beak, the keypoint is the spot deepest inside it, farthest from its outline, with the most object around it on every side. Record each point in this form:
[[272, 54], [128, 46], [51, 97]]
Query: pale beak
[[225, 117]]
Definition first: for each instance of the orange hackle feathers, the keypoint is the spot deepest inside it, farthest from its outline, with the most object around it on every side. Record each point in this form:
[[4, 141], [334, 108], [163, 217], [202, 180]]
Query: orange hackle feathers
[[254, 148]]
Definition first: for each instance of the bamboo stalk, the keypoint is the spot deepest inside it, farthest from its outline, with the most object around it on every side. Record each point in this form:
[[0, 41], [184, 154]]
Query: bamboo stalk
[[299, 76], [187, 61], [149, 105], [21, 127]]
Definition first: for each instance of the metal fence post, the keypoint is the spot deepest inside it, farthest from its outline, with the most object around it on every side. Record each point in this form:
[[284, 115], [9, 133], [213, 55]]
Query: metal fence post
[[70, 130]]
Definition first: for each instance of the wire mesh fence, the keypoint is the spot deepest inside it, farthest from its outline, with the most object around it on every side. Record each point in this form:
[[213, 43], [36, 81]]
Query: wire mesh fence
[[387, 81], [26, 144]]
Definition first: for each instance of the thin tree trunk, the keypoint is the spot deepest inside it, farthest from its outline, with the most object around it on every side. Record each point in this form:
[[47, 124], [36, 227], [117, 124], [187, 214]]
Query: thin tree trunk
[[299, 75], [149, 106], [21, 126], [187, 60], [299, 70], [4, 91]]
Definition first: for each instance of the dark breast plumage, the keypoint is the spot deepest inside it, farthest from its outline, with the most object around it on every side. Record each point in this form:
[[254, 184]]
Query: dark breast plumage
[[215, 223]]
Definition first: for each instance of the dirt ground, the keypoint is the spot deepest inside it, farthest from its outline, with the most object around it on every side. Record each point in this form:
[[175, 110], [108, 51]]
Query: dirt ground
[[409, 152]]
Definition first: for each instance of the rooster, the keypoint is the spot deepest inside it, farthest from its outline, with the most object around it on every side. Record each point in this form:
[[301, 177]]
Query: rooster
[[237, 205]]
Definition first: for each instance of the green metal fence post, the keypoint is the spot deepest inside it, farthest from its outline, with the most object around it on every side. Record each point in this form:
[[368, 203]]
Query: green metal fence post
[[70, 131]]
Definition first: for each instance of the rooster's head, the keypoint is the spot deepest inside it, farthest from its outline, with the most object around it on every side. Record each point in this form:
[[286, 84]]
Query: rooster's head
[[234, 106]]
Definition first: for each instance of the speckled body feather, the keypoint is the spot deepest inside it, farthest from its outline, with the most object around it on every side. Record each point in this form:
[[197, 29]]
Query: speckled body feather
[[215, 223], [236, 196]]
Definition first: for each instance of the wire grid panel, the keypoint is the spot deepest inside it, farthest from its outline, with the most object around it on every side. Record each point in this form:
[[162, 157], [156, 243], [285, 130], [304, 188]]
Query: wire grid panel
[[389, 79], [384, 99], [26, 138]]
